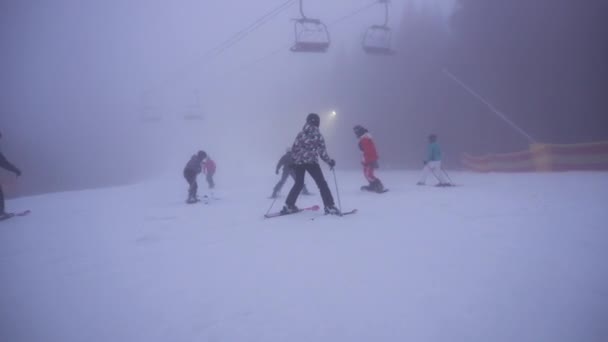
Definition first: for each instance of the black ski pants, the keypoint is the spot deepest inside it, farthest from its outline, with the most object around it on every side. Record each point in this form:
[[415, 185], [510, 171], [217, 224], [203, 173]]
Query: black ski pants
[[190, 176], [314, 170]]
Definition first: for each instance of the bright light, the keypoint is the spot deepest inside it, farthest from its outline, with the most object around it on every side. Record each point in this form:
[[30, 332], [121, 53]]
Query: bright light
[[333, 113]]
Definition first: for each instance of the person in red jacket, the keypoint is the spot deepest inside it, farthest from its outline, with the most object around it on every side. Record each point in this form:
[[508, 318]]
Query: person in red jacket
[[209, 171], [370, 159]]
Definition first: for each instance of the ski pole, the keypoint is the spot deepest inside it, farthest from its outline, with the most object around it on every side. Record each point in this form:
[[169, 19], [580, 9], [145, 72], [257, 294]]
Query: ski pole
[[435, 174], [337, 190], [448, 176], [271, 205]]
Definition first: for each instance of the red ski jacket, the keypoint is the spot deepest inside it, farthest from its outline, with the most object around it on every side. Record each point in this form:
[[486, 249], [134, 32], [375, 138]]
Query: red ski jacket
[[366, 144], [208, 166]]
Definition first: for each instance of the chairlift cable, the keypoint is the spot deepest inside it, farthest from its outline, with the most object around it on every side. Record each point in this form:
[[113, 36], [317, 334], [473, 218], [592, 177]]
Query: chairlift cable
[[283, 49], [230, 42]]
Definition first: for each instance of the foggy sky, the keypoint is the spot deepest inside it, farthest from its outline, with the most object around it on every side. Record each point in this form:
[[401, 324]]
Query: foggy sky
[[76, 77]]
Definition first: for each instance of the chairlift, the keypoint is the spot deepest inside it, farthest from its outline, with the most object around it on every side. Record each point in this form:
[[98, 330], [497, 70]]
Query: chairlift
[[377, 38], [311, 35]]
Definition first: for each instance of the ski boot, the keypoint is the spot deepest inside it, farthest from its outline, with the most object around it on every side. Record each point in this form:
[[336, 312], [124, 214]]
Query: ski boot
[[332, 210], [377, 186], [289, 209]]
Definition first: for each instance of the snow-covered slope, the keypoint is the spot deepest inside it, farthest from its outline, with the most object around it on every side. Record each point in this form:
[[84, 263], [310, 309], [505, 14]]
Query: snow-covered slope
[[501, 258]]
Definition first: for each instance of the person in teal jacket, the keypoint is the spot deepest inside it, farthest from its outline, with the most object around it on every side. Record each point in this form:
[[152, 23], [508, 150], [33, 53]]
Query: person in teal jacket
[[432, 163]]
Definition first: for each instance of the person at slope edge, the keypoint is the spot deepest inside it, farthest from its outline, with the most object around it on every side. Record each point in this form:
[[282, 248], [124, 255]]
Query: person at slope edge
[[5, 164]]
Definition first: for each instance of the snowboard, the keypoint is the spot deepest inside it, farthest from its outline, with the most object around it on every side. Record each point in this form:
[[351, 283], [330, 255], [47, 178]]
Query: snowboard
[[17, 214], [278, 214]]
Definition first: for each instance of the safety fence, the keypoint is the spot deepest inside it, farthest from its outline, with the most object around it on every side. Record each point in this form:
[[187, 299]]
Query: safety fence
[[543, 157]]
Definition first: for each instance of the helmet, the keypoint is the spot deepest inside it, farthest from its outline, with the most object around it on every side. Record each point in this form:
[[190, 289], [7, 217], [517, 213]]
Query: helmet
[[432, 137], [313, 119], [359, 130], [201, 154]]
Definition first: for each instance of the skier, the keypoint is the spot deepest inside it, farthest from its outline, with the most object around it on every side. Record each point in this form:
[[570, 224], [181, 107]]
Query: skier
[[433, 163], [286, 162], [192, 169], [5, 164], [370, 159], [209, 170], [307, 147]]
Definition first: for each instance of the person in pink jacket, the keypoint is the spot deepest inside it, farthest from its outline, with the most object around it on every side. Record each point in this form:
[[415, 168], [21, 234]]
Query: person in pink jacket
[[209, 170]]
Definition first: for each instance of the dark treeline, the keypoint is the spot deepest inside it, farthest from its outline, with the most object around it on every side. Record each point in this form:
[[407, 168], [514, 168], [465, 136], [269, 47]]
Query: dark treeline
[[543, 63]]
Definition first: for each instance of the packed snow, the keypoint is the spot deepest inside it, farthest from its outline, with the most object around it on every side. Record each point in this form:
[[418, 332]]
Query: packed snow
[[501, 257]]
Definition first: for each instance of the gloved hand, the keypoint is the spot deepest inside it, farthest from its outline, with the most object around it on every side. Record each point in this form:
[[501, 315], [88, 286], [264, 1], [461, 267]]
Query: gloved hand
[[18, 173], [424, 162], [331, 163]]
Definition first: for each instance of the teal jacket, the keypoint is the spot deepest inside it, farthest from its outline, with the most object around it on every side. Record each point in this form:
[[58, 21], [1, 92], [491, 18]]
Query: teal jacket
[[434, 152]]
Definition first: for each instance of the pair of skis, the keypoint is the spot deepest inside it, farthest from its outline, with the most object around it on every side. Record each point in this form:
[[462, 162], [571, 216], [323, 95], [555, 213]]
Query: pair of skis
[[17, 214], [313, 208]]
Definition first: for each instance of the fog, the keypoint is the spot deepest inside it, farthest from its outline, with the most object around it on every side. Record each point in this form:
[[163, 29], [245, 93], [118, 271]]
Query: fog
[[102, 93]]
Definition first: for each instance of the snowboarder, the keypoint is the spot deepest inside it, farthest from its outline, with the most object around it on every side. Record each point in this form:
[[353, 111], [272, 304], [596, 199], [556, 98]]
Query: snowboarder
[[286, 162], [432, 164], [209, 170], [370, 159], [192, 169], [5, 164], [307, 147]]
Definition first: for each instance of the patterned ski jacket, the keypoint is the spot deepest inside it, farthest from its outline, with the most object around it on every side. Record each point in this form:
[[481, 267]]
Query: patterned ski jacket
[[367, 146], [309, 145]]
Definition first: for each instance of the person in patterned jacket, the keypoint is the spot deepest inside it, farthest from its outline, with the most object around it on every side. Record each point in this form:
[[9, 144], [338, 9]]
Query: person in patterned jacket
[[307, 148], [370, 159]]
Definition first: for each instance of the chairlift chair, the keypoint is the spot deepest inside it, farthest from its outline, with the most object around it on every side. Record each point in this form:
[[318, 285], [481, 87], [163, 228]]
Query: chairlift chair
[[311, 35], [377, 38]]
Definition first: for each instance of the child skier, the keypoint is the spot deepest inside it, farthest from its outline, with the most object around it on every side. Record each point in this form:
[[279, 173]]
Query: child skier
[[432, 164], [286, 162], [308, 146], [192, 169], [209, 170], [370, 159]]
